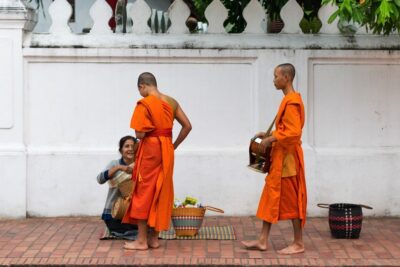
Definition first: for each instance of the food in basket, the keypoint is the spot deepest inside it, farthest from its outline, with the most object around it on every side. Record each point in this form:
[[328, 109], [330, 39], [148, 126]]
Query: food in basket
[[190, 202], [187, 216]]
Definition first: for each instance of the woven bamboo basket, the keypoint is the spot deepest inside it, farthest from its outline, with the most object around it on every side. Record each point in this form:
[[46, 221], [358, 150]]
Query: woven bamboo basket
[[345, 220], [187, 221], [125, 188], [119, 208]]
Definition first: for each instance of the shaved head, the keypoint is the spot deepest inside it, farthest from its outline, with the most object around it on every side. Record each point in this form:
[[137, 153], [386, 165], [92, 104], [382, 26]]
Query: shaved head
[[147, 78], [287, 69]]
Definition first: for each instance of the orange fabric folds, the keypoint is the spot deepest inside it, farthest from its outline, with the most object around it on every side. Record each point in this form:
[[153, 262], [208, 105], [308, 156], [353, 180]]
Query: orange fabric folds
[[286, 198], [154, 194]]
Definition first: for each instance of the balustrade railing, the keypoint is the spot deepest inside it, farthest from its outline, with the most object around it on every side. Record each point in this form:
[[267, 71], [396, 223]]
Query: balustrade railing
[[144, 20]]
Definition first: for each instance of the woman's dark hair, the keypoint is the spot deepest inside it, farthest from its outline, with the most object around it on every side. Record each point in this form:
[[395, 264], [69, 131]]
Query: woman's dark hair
[[124, 139]]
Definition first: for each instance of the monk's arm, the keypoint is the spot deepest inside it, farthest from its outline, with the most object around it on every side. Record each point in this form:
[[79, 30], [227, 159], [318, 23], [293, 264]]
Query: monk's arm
[[141, 121], [140, 135], [267, 141], [183, 120]]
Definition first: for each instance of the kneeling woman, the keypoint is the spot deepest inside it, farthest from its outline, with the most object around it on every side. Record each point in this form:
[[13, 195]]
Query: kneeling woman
[[127, 147]]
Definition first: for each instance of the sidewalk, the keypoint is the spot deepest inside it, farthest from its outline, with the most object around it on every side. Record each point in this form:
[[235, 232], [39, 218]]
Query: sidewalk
[[75, 241]]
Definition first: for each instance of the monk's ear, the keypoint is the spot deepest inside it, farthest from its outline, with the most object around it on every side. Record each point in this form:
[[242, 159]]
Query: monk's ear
[[288, 79]]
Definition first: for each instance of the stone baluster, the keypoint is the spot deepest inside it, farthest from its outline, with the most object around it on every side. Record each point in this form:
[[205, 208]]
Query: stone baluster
[[166, 22], [178, 14], [255, 16], [292, 14], [160, 16], [140, 13], [324, 13], [153, 20], [100, 12], [216, 14], [60, 11]]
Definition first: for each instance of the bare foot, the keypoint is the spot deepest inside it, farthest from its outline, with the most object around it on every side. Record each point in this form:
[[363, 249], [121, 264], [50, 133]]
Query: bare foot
[[153, 240], [254, 245], [153, 244], [292, 249], [135, 245]]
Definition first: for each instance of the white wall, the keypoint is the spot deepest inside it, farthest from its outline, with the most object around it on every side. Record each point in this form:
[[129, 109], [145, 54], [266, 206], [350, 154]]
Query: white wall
[[12, 148], [78, 103], [354, 116]]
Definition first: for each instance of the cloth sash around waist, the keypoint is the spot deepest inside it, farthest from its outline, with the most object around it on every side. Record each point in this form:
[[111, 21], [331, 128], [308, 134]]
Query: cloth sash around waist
[[160, 132]]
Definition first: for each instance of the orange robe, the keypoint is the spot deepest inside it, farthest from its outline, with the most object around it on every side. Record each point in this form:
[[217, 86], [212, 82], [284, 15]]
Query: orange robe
[[284, 195], [154, 193]]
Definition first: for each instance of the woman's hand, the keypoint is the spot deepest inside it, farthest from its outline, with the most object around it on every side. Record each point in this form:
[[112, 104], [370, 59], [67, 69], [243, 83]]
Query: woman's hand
[[127, 169]]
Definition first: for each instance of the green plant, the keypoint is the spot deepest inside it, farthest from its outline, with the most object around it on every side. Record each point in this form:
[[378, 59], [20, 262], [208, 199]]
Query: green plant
[[310, 23], [200, 6], [235, 22], [380, 16], [273, 8]]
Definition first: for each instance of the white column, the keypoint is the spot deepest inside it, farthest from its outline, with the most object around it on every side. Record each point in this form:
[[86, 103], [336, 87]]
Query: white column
[[292, 14], [100, 12], [255, 16], [60, 11], [140, 13], [216, 14], [178, 13], [15, 21]]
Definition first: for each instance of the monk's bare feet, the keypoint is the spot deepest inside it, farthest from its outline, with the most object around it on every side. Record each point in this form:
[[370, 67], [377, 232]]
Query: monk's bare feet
[[254, 245], [152, 240], [153, 243], [136, 245], [292, 249]]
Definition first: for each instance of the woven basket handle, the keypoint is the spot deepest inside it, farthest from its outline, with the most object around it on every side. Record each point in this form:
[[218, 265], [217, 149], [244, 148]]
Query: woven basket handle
[[325, 206], [214, 209], [321, 205]]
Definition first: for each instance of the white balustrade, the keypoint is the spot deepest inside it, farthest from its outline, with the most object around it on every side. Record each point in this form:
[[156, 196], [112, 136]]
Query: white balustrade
[[100, 12], [292, 14], [178, 14], [255, 16], [175, 18], [216, 14], [140, 13], [324, 13], [60, 11]]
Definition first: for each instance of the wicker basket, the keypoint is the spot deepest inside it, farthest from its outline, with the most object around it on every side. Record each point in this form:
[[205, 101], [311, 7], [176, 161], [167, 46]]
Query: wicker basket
[[345, 220], [119, 208], [125, 188], [187, 221]]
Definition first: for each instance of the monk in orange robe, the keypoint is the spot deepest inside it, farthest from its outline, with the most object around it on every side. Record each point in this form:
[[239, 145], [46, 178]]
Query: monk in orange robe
[[284, 196], [153, 197]]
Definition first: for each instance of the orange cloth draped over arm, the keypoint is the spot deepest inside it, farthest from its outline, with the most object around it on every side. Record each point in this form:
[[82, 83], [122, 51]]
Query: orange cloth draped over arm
[[153, 197], [284, 195]]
